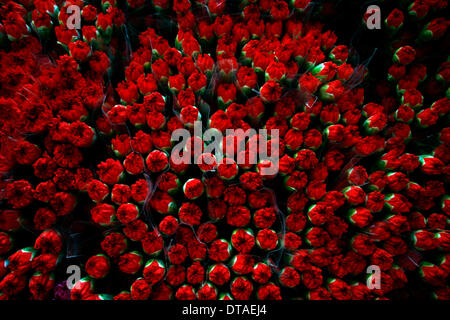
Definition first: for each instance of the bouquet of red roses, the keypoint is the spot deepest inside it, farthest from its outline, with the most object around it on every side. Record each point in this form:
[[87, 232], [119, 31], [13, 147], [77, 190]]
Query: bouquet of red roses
[[221, 150]]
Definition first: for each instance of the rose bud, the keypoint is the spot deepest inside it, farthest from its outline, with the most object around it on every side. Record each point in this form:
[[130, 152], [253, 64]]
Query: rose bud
[[432, 274], [269, 291], [243, 240], [82, 135], [404, 114], [135, 4], [275, 71], [139, 191], [434, 29], [331, 91], [114, 244], [412, 98], [441, 293], [79, 50], [207, 292], [394, 20], [155, 120], [185, 292], [207, 162], [316, 190], [330, 114], [169, 182], [295, 181], [15, 26], [375, 123], [424, 240], [6, 243], [120, 145], [306, 159], [357, 176], [104, 126], [396, 72], [426, 118], [41, 23], [97, 266], [219, 250], [177, 253], [354, 195], [397, 181], [271, 91], [21, 261], [90, 35], [443, 239], [267, 239], [176, 275], [325, 72], [130, 262], [161, 71], [418, 9], [190, 213], [264, 166], [226, 94], [291, 241], [375, 201], [227, 169], [127, 213], [319, 213], [441, 106], [289, 277], [189, 115], [83, 289], [219, 274], [227, 65], [360, 217], [193, 188], [163, 203], [146, 84], [339, 55], [246, 80], [110, 171], [443, 73], [242, 264], [154, 271], [168, 225], [241, 288], [445, 204], [261, 273], [41, 285], [134, 163], [157, 161], [195, 274], [197, 81], [312, 139], [103, 214], [177, 83], [430, 165], [404, 55], [49, 241], [205, 63], [140, 290]]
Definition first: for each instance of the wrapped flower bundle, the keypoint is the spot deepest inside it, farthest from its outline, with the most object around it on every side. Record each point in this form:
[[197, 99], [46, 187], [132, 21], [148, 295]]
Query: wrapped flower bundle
[[95, 96]]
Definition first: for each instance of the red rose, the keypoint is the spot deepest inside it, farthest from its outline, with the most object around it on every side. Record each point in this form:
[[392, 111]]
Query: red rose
[[97, 266]]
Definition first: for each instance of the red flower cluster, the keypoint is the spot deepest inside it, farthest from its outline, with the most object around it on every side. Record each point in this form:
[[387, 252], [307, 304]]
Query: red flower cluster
[[86, 141]]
